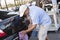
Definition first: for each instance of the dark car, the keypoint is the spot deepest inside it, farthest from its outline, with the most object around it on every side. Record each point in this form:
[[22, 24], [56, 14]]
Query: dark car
[[11, 25]]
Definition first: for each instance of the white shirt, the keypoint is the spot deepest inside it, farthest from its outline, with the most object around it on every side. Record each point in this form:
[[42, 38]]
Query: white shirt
[[39, 16]]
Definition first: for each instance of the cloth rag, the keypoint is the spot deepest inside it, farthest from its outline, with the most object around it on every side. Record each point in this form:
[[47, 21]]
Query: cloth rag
[[23, 37]]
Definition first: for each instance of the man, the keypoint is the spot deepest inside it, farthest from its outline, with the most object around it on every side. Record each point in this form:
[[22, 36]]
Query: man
[[38, 17]]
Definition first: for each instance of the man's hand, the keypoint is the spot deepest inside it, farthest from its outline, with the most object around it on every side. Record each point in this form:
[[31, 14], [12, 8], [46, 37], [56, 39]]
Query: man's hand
[[28, 30], [23, 32]]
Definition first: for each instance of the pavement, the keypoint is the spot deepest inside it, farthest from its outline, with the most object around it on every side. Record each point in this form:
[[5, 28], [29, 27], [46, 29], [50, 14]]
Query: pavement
[[52, 36]]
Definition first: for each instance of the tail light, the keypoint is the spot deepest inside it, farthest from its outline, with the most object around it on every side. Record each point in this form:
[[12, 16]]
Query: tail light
[[2, 33]]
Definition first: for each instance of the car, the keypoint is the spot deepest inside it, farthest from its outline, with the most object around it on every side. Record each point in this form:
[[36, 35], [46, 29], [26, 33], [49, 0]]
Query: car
[[11, 25]]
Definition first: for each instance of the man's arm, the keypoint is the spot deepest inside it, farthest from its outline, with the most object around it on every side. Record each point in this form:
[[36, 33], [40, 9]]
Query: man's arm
[[30, 27], [33, 23]]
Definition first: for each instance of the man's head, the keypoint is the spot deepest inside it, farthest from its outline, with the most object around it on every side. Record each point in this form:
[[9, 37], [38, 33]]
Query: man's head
[[24, 10]]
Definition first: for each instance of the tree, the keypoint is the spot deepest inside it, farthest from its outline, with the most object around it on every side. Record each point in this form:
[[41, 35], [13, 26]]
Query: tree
[[0, 4], [17, 2], [14, 2], [6, 4], [39, 3]]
